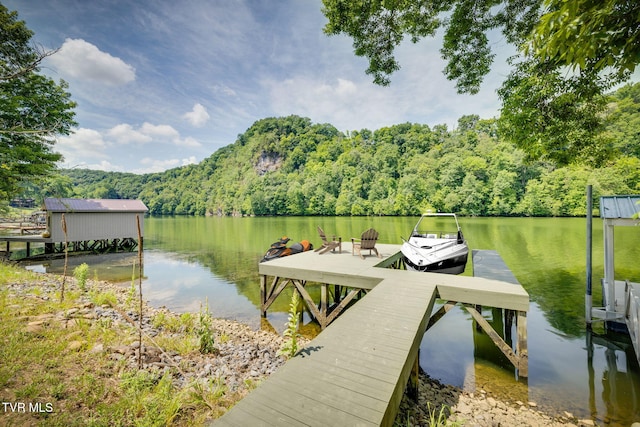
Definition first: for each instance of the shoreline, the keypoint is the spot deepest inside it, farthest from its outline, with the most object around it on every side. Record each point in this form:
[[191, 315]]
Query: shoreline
[[243, 358]]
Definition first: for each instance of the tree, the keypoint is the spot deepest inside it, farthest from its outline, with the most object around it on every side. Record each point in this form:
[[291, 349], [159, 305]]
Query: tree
[[599, 35], [586, 46], [377, 27], [33, 109], [554, 117]]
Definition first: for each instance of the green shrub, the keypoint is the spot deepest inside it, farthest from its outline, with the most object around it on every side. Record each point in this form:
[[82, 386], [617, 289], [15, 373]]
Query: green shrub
[[290, 346], [80, 273], [204, 331]]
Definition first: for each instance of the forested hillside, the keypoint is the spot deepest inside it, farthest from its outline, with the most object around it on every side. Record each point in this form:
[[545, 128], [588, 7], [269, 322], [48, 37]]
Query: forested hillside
[[291, 166]]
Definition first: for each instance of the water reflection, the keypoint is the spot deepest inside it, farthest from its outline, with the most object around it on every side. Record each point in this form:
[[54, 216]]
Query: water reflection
[[189, 260]]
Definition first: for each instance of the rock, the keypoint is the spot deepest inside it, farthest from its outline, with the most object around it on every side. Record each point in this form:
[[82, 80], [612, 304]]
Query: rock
[[98, 348], [35, 326], [75, 345]]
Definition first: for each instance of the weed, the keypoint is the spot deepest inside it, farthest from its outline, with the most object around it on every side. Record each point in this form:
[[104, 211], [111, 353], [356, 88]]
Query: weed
[[224, 338], [290, 346], [439, 418], [104, 298], [184, 344], [208, 392], [183, 323], [80, 273], [150, 399], [204, 331]]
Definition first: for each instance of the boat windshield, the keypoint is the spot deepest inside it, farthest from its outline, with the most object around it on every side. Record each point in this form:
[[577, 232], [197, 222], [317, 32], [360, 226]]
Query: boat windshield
[[437, 230]]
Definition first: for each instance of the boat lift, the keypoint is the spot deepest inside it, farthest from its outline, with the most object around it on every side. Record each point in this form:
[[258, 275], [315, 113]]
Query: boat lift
[[621, 299]]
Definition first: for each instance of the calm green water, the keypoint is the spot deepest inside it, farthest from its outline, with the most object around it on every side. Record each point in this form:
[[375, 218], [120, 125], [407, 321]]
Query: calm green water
[[592, 375]]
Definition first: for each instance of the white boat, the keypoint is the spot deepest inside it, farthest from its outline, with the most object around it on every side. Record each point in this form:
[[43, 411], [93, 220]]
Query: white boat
[[436, 251]]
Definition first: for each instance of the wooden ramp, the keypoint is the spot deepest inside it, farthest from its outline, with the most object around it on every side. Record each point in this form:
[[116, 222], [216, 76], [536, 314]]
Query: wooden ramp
[[356, 370], [354, 373]]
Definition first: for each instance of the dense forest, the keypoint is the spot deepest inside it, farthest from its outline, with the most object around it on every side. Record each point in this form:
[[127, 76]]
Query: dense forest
[[291, 166]]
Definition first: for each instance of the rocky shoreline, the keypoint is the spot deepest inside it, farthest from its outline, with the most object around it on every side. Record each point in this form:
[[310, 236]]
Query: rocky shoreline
[[244, 357]]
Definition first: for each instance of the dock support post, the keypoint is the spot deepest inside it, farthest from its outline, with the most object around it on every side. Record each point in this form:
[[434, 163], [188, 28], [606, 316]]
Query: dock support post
[[324, 303], [521, 346], [588, 299], [263, 295], [413, 386]]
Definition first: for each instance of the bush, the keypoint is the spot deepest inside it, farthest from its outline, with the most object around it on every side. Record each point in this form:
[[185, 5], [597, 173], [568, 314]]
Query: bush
[[80, 273]]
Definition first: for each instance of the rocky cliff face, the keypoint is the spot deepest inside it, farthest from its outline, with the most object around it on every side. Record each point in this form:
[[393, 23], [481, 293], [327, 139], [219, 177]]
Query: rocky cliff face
[[268, 163]]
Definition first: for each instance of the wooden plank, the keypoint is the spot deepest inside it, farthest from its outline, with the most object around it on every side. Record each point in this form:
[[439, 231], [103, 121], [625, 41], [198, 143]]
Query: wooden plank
[[254, 415], [497, 339], [340, 377], [304, 410], [489, 264]]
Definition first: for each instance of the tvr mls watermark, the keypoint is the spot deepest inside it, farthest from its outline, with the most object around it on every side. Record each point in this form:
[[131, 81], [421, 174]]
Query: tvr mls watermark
[[40, 407]]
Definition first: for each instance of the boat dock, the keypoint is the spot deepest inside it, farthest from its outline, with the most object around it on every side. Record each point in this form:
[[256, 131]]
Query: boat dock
[[357, 369], [621, 298]]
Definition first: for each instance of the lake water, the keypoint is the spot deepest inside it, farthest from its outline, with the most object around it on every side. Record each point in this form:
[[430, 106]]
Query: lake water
[[591, 374]]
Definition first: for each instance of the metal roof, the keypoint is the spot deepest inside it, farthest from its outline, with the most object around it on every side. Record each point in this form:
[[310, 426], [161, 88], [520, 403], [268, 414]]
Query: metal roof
[[624, 207], [94, 205]]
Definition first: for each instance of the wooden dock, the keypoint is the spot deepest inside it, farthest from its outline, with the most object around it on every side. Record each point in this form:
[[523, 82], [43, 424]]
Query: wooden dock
[[356, 370]]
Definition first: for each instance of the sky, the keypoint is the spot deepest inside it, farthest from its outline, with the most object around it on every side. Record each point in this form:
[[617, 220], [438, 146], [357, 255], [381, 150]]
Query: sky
[[164, 83]]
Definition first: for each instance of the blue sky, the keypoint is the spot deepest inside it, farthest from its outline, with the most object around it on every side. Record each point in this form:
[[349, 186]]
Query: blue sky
[[160, 84]]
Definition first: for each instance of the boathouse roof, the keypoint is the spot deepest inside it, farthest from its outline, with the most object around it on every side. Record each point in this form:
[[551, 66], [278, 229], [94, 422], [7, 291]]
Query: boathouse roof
[[94, 205], [619, 207]]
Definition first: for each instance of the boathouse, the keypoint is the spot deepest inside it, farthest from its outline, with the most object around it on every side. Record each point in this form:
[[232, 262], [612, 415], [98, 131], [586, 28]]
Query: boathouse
[[92, 225], [93, 219]]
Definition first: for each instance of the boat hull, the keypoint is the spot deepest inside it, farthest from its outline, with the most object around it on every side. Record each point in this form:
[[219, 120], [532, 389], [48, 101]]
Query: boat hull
[[454, 265], [436, 251]]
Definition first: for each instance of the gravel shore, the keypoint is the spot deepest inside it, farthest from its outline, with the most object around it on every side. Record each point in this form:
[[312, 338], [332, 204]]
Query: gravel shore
[[245, 356]]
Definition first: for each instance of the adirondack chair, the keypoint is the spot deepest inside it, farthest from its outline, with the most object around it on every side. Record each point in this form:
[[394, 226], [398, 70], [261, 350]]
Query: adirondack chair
[[366, 241], [328, 245]]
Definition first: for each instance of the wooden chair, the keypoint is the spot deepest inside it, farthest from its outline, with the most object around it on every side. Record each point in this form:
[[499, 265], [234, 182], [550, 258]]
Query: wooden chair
[[366, 241], [328, 245]]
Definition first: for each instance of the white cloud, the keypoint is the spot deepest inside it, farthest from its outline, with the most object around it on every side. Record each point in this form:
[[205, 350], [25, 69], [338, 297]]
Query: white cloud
[[155, 165], [163, 131], [83, 60], [343, 103], [124, 134], [82, 145], [224, 89], [198, 116], [189, 161], [103, 165]]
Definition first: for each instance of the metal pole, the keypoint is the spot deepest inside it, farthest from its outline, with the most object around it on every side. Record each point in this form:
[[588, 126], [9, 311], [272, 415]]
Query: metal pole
[[588, 303]]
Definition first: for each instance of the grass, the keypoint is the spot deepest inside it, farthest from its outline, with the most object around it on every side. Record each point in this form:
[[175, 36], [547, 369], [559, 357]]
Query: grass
[[79, 387]]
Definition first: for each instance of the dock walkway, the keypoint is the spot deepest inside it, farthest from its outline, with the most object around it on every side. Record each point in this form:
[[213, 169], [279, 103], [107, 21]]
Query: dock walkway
[[356, 370]]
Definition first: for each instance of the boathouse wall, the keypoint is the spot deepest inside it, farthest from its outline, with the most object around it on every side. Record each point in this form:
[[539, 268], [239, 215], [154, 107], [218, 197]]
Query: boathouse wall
[[94, 219]]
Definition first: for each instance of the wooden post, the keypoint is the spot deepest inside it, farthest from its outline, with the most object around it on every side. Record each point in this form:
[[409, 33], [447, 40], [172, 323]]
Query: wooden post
[[413, 386], [263, 295], [324, 303], [521, 346]]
